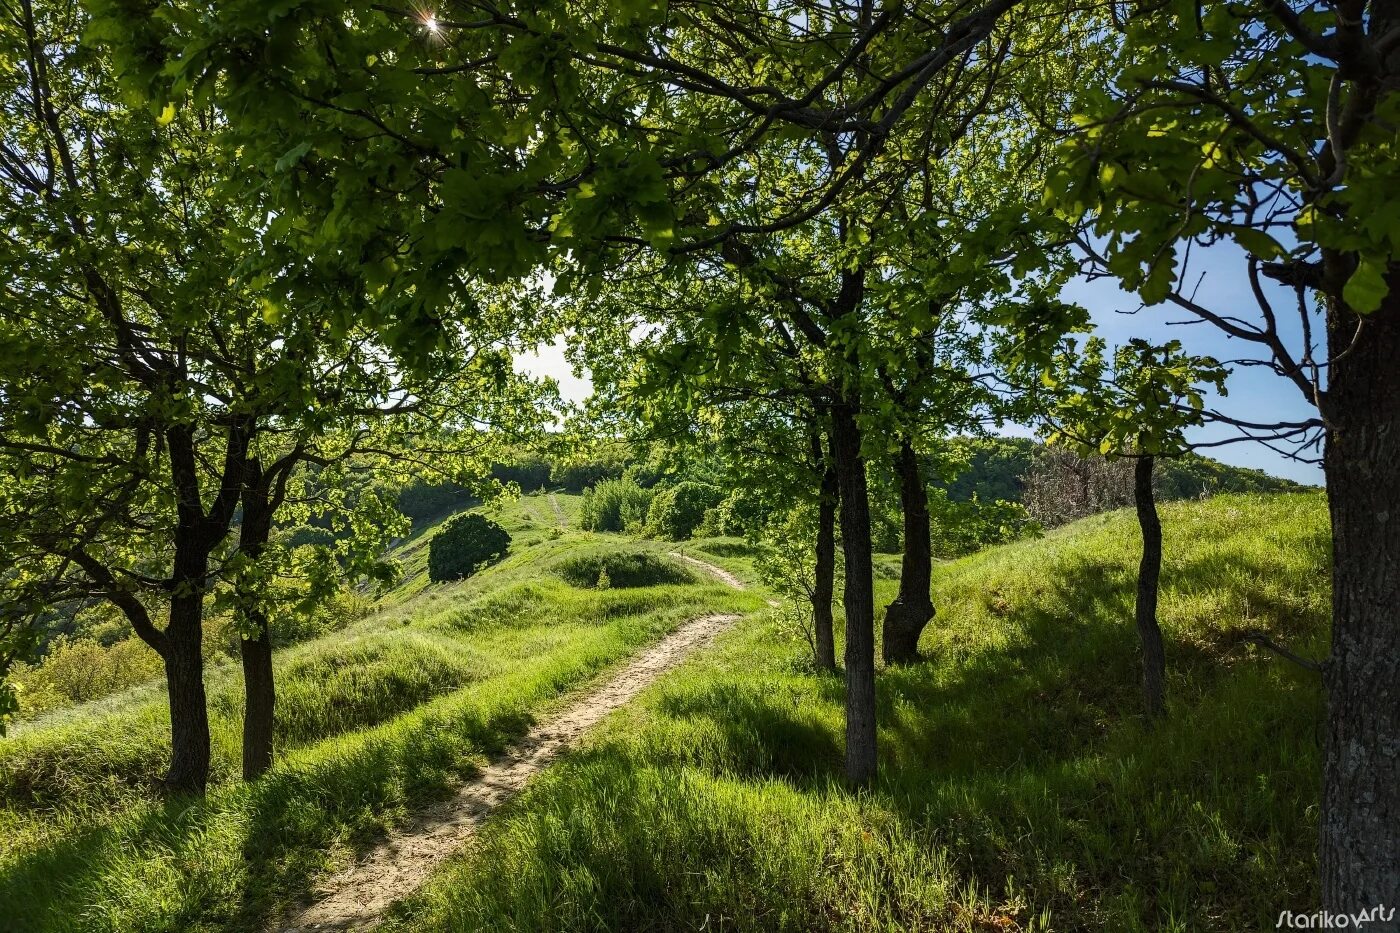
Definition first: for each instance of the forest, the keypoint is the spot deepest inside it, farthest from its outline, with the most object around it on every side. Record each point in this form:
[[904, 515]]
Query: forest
[[895, 568]]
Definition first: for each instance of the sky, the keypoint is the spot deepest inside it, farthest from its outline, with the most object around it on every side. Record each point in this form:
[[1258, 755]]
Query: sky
[[1255, 393]]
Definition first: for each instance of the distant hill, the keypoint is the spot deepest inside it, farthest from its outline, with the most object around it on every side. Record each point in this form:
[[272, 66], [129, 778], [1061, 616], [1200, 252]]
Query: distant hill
[[998, 467]]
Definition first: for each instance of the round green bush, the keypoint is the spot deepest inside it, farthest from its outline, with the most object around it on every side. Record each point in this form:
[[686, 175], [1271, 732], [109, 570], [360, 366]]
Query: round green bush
[[676, 512], [464, 544]]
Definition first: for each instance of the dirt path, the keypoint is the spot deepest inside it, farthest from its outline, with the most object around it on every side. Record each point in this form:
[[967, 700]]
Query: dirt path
[[559, 515], [719, 573], [356, 898]]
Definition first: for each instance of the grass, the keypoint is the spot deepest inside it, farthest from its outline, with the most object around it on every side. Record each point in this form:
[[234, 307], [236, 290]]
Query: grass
[[1020, 787], [373, 722], [624, 567]]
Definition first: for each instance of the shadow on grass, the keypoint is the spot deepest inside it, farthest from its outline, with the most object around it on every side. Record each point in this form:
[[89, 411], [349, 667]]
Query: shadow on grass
[[1027, 760], [760, 735]]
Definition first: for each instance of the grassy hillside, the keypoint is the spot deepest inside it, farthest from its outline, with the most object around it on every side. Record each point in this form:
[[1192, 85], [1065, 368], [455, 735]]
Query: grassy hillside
[[100, 670], [373, 721], [1020, 787]]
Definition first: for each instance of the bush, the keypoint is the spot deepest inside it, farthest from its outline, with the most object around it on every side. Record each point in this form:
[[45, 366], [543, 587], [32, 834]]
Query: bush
[[960, 528], [80, 669], [621, 569], [464, 544], [676, 512], [614, 505], [732, 518]]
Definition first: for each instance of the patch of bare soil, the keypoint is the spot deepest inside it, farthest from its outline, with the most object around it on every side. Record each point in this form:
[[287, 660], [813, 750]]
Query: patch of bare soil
[[356, 898], [719, 573]]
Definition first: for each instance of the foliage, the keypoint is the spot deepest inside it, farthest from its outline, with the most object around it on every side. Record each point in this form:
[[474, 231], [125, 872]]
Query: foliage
[[1139, 400], [578, 475], [961, 528], [785, 561], [75, 670], [463, 545], [676, 511], [992, 468], [422, 500], [168, 361], [1226, 123], [615, 505]]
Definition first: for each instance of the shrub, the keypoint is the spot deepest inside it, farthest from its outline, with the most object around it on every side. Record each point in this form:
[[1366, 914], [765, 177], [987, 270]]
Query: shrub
[[80, 669], [621, 569], [464, 544], [614, 505], [676, 512], [960, 528], [1062, 486], [734, 517]]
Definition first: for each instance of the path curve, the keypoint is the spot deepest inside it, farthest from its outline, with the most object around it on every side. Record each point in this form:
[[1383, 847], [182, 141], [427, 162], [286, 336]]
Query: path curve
[[559, 515], [356, 898], [714, 570]]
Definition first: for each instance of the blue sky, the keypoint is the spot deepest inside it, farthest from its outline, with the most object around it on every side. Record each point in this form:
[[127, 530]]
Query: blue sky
[[1218, 276], [1255, 393]]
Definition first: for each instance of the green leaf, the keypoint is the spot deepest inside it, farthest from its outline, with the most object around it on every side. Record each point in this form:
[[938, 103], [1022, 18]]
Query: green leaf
[[1366, 288], [292, 156], [1258, 243]]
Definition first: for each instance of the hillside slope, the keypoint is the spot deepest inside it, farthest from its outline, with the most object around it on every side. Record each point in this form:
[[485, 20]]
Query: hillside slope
[[1020, 788], [374, 721]]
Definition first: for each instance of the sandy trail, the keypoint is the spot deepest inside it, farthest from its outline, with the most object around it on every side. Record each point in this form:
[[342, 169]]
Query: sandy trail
[[713, 570], [356, 898]]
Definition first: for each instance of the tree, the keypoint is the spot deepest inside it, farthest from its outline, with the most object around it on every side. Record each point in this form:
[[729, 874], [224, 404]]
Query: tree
[[1136, 404], [154, 380], [1271, 127], [464, 544], [557, 132]]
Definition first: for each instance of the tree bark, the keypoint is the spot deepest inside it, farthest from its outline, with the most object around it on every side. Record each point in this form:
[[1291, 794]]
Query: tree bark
[[1154, 663], [259, 697], [858, 597], [1360, 833], [912, 609], [255, 641], [189, 710], [824, 584], [196, 535]]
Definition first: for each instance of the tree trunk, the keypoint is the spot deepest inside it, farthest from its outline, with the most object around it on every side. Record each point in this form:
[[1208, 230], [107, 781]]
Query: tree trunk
[[824, 584], [1360, 844], [189, 710], [1154, 663], [259, 697], [255, 641], [912, 609], [858, 598]]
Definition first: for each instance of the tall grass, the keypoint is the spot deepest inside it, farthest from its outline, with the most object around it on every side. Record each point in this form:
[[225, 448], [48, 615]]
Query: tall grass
[[372, 723], [1020, 786]]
